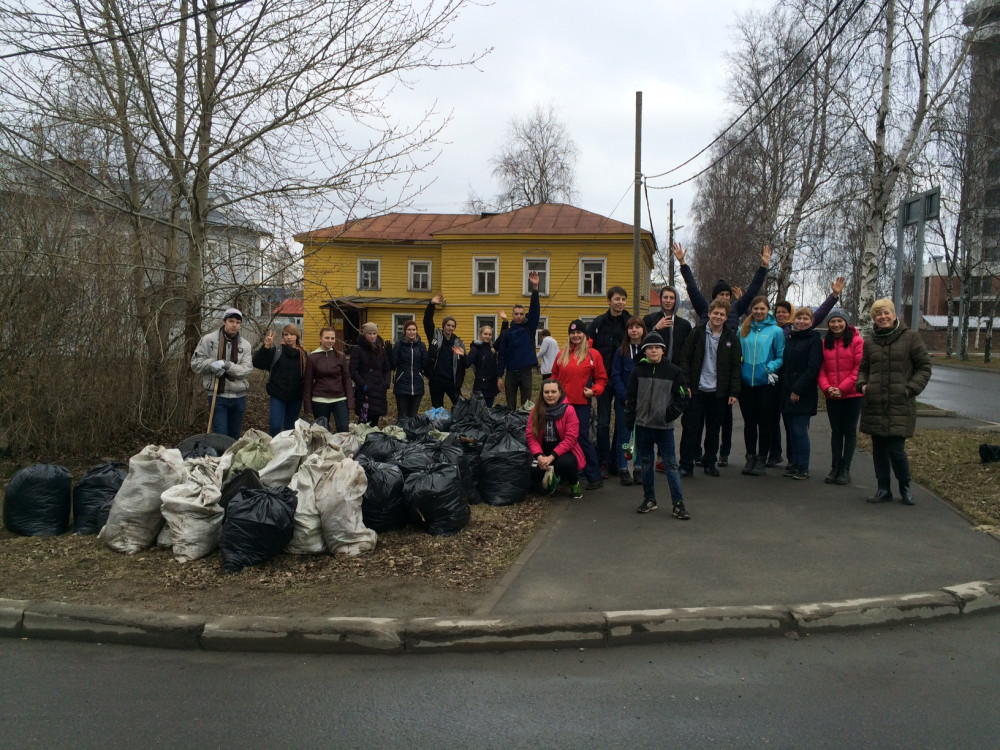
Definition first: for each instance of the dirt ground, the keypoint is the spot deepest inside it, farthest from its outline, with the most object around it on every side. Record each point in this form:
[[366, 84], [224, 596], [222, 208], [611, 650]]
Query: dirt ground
[[410, 573]]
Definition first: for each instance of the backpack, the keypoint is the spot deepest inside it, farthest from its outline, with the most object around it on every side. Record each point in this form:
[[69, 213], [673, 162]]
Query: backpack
[[989, 453]]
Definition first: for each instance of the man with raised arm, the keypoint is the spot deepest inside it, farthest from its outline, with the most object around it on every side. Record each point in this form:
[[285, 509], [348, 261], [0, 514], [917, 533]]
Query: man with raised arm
[[516, 348]]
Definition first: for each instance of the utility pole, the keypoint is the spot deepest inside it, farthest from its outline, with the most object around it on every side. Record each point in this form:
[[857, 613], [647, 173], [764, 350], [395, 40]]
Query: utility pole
[[637, 207], [670, 247]]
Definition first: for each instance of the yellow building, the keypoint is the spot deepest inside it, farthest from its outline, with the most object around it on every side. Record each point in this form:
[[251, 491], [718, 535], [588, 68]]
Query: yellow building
[[385, 269]]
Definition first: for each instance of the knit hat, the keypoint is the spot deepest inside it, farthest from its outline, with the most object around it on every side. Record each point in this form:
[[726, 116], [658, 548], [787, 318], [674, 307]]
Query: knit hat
[[653, 339], [721, 286], [578, 325], [839, 312], [232, 312], [369, 328]]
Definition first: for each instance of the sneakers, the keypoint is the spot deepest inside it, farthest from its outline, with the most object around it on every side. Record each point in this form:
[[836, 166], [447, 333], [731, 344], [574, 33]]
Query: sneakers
[[605, 472], [659, 465], [790, 471], [723, 461], [686, 471], [595, 485], [711, 470], [647, 505], [801, 472], [773, 461], [637, 476], [575, 492], [680, 512], [625, 478]]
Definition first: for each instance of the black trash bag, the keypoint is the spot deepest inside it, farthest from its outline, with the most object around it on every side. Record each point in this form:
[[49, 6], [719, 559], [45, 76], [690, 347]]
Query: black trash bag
[[452, 452], [382, 507], [469, 409], [416, 428], [258, 525], [248, 479], [414, 457], [440, 419], [197, 446], [200, 450], [434, 500], [379, 447], [323, 422], [38, 501], [989, 453], [93, 495], [505, 471]]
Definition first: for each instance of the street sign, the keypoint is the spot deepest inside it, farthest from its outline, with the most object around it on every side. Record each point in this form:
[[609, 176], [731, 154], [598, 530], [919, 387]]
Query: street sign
[[922, 206]]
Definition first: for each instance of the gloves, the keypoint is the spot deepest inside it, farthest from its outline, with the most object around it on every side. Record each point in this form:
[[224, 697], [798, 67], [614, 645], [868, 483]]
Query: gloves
[[772, 378], [219, 366]]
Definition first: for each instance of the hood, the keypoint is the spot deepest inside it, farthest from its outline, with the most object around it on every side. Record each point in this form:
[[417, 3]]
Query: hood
[[768, 321]]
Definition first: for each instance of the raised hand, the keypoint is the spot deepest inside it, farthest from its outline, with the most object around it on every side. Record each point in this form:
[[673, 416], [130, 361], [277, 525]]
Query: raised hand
[[268, 339], [765, 256], [838, 285], [679, 252], [533, 279], [437, 299], [501, 314]]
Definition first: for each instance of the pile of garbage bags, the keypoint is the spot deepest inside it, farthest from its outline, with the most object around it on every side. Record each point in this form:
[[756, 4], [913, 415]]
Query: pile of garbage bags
[[304, 491]]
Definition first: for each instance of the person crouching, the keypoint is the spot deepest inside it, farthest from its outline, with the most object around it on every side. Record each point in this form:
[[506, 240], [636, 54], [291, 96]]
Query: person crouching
[[553, 432], [656, 397]]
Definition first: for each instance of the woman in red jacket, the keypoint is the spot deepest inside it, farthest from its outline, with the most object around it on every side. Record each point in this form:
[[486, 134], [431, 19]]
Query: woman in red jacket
[[838, 377], [553, 439], [583, 377], [327, 390]]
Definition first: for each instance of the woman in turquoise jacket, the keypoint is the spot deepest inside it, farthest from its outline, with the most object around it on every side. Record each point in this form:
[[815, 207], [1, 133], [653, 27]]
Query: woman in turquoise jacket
[[763, 344]]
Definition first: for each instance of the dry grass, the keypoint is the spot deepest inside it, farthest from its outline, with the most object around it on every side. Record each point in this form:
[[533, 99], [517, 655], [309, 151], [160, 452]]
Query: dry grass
[[973, 361], [947, 463]]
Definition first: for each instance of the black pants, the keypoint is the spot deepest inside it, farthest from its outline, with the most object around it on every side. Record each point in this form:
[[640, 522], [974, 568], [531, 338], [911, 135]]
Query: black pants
[[564, 467], [704, 414], [441, 388], [518, 380], [844, 414], [890, 452], [757, 405], [726, 430], [407, 406]]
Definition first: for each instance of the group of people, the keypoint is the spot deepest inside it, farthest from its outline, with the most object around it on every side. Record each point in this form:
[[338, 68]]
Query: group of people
[[642, 374]]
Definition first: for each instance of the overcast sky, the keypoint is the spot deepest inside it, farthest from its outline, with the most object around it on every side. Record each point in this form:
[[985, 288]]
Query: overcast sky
[[589, 60]]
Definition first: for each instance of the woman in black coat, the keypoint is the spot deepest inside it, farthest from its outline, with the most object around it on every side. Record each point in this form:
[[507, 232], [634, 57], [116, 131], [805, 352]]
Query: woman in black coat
[[798, 394], [407, 358], [370, 373], [483, 361]]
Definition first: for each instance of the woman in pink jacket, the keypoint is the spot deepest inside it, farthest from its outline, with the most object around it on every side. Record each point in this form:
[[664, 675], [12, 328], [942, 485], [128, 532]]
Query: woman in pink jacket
[[838, 376], [553, 439]]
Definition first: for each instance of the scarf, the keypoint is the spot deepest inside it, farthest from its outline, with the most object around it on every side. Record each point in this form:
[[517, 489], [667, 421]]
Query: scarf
[[552, 415], [234, 353]]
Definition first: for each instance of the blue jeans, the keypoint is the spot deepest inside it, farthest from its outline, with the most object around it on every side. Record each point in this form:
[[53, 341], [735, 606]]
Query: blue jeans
[[227, 419], [622, 436], [798, 434], [592, 470], [282, 415], [338, 410], [647, 440]]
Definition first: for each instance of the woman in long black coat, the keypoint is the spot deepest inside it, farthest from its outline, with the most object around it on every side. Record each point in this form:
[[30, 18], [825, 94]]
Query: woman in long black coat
[[798, 394], [370, 373]]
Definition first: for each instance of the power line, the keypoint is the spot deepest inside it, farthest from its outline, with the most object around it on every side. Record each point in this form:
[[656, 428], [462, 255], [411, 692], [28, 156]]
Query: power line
[[773, 107], [126, 35]]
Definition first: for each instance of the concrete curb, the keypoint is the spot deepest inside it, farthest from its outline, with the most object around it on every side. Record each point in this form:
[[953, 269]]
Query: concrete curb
[[374, 635]]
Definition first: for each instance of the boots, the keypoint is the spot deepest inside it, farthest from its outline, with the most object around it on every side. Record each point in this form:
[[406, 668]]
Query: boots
[[757, 470], [843, 473], [834, 471], [751, 460], [884, 492], [904, 492]]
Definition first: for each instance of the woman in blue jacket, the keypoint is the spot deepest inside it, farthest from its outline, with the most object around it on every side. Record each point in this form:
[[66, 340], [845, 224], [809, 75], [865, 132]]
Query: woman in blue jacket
[[763, 345], [407, 361], [621, 368]]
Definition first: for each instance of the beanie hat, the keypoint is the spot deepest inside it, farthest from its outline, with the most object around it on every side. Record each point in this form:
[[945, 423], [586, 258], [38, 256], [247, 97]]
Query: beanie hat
[[369, 328], [721, 286], [232, 312], [839, 312], [578, 325], [653, 339]]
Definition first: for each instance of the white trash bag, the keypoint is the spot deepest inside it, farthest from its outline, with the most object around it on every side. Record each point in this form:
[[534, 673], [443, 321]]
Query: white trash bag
[[338, 498], [307, 538], [288, 448], [135, 518], [192, 511]]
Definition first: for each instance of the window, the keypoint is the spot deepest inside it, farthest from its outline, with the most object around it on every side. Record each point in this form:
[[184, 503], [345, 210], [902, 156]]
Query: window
[[485, 320], [543, 322], [369, 275], [420, 276], [397, 324], [592, 277], [991, 227], [542, 266], [484, 272]]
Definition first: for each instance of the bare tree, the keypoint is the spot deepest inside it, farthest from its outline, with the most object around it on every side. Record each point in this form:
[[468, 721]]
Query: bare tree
[[172, 112], [537, 163]]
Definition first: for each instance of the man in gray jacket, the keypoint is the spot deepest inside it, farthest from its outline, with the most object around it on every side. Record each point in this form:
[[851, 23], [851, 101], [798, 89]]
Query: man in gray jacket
[[224, 361]]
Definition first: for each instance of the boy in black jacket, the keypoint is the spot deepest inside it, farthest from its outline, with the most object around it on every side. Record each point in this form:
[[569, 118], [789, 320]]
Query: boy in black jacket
[[656, 397]]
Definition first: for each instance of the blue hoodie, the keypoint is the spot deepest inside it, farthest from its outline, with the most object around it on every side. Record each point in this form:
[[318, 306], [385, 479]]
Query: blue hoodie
[[763, 349]]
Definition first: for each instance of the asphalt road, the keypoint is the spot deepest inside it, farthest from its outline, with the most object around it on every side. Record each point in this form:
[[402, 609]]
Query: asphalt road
[[971, 393], [928, 685]]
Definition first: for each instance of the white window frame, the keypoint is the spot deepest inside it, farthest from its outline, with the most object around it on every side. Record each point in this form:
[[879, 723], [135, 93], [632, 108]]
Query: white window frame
[[378, 281], [410, 272], [604, 277], [543, 322], [397, 324], [486, 319], [475, 275], [542, 291]]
